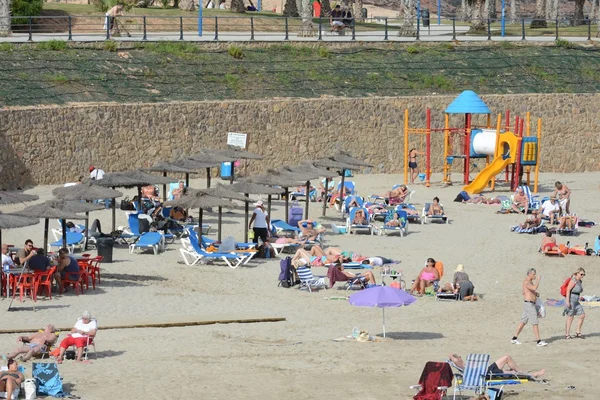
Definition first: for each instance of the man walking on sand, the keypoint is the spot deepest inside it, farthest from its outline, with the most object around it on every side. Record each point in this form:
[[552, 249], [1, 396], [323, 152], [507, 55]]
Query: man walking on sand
[[530, 313]]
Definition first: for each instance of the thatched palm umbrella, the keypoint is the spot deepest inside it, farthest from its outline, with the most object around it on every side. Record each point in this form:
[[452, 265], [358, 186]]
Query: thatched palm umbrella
[[236, 154], [223, 192], [276, 178], [346, 158], [166, 167], [200, 200], [196, 165], [129, 179], [252, 188], [308, 172], [332, 165], [210, 159], [87, 191], [13, 197], [54, 209], [11, 221]]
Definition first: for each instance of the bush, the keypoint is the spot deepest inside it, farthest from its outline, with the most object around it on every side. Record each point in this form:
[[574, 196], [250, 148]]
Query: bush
[[52, 45], [412, 50], [236, 52], [111, 45], [26, 8], [323, 52], [7, 47], [565, 44]]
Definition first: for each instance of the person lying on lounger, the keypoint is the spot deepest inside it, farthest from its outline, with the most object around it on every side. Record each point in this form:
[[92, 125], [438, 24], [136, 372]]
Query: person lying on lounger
[[520, 202], [503, 365], [304, 257], [567, 222], [11, 380], [428, 275], [435, 208], [549, 243], [399, 193], [360, 218], [481, 199], [368, 275], [395, 221], [308, 230], [535, 219], [36, 344]]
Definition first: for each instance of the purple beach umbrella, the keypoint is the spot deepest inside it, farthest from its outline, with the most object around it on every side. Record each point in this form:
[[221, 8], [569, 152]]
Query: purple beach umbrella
[[382, 297]]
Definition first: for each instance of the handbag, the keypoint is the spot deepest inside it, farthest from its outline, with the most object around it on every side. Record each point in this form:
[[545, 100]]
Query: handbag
[[126, 204], [30, 389], [539, 306]]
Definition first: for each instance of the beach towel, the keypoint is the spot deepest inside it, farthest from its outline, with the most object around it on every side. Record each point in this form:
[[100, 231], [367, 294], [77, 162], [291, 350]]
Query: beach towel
[[335, 275], [434, 374], [530, 230], [47, 379]]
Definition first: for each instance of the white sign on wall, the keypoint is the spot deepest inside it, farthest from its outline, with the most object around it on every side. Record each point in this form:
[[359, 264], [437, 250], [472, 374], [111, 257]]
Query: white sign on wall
[[237, 139]]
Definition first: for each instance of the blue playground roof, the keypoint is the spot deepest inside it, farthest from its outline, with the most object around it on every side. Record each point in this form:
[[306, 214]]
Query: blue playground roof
[[468, 103]]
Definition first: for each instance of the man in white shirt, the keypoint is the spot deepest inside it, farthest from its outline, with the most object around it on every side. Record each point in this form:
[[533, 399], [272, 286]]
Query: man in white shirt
[[96, 173], [7, 262], [261, 221], [81, 335], [551, 209]]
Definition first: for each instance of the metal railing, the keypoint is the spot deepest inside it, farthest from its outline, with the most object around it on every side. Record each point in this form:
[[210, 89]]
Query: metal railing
[[91, 28]]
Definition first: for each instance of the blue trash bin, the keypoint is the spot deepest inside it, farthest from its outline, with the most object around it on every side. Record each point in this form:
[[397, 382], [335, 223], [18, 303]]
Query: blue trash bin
[[226, 170]]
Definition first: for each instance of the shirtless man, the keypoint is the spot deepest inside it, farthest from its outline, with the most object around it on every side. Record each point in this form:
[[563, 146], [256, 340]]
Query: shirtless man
[[399, 193], [520, 202], [549, 243], [498, 366], [532, 221], [530, 313], [35, 344], [308, 230], [111, 15]]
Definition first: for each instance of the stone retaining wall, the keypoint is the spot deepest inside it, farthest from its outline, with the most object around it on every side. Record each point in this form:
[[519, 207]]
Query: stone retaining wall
[[50, 145]]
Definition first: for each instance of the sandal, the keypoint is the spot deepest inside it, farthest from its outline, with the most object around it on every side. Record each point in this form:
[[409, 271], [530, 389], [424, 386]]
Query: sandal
[[579, 335], [567, 337]]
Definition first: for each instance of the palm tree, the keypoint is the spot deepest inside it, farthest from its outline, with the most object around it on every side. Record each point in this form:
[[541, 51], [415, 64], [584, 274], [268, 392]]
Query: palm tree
[[408, 13], [477, 15], [291, 9], [187, 5], [513, 11], [539, 19], [5, 17]]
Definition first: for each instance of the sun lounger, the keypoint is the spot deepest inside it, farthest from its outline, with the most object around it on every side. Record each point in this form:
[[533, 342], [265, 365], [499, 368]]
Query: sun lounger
[[354, 228], [148, 240], [281, 226], [74, 239], [531, 230], [193, 253], [428, 218], [402, 228], [335, 275]]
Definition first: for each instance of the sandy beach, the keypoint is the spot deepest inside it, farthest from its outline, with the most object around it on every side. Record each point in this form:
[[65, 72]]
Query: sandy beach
[[297, 358]]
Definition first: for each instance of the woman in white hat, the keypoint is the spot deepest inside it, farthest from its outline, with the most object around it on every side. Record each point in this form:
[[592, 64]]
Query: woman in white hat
[[462, 285], [261, 221]]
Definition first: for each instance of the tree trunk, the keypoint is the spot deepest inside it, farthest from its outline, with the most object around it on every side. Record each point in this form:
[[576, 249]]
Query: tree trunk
[[477, 16], [357, 6], [465, 11], [597, 21], [325, 8], [539, 19], [238, 6], [187, 5], [513, 11], [290, 9], [579, 12], [5, 17], [593, 9], [408, 15], [306, 10], [493, 10]]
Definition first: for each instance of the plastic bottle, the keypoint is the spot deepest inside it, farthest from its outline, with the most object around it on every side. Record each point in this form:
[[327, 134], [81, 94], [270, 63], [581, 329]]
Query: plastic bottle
[[355, 332]]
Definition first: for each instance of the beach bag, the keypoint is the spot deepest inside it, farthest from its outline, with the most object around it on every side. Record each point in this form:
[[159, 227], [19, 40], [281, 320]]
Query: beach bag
[[563, 288], [30, 389], [285, 274], [227, 245], [539, 306], [47, 379], [126, 204]]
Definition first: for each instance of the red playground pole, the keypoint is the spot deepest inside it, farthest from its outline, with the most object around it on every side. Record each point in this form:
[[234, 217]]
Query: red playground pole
[[428, 150], [467, 147], [507, 120]]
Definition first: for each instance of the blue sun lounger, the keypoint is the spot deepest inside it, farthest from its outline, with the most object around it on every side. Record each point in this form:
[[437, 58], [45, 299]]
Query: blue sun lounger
[[149, 240]]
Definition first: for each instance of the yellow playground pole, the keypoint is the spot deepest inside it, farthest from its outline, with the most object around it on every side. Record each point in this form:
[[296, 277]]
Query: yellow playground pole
[[446, 146], [406, 147], [537, 156], [498, 125]]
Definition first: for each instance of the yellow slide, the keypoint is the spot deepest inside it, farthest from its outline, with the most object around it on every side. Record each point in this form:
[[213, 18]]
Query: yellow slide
[[507, 145]]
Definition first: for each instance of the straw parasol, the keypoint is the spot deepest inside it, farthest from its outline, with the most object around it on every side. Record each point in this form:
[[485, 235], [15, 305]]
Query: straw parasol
[[237, 153], [166, 167], [276, 178], [224, 192], [200, 200], [86, 191], [196, 165], [308, 172], [52, 209], [348, 159], [12, 221], [253, 188], [12, 197]]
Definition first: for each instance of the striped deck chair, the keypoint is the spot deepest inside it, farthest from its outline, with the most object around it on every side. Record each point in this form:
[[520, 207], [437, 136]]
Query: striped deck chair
[[474, 374], [534, 200], [532, 230], [308, 281]]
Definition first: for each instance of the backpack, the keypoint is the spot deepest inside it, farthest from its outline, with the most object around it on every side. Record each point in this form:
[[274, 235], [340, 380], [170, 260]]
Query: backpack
[[563, 288], [285, 274]]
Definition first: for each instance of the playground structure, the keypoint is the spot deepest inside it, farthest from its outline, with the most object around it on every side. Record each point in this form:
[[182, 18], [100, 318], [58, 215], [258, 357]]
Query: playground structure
[[502, 148]]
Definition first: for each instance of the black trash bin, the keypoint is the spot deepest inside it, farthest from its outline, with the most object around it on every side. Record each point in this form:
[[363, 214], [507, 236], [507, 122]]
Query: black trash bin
[[105, 245], [425, 17]]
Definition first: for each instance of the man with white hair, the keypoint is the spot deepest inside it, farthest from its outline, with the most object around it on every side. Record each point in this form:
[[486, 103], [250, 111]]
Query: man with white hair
[[35, 344], [81, 336]]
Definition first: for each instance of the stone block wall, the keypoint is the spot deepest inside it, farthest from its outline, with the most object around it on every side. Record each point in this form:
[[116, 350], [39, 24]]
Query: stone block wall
[[55, 144]]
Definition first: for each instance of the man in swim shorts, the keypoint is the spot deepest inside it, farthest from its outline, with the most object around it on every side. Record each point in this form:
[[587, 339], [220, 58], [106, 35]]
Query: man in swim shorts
[[530, 313], [35, 344]]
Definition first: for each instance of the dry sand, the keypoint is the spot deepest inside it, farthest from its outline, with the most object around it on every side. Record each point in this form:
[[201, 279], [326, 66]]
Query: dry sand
[[297, 359]]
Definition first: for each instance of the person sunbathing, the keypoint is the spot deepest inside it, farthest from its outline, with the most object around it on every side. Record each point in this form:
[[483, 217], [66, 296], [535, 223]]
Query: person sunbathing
[[398, 194], [566, 222], [360, 218], [35, 344], [308, 230], [368, 276], [481, 199], [549, 243], [435, 208], [81, 335], [520, 202], [11, 379], [428, 275], [503, 365], [308, 257], [535, 219], [395, 221]]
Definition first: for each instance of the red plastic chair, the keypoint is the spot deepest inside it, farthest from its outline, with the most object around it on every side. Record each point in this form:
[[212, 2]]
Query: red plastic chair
[[94, 270], [27, 282], [75, 283], [85, 276], [44, 280]]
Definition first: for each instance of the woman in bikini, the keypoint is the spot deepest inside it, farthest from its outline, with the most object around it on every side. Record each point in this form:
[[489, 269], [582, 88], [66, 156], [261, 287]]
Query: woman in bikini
[[399, 194], [412, 163], [563, 194], [427, 276], [360, 218], [435, 208], [11, 380]]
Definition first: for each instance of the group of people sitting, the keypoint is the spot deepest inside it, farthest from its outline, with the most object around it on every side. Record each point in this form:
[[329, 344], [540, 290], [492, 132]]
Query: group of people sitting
[[340, 18], [431, 275]]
